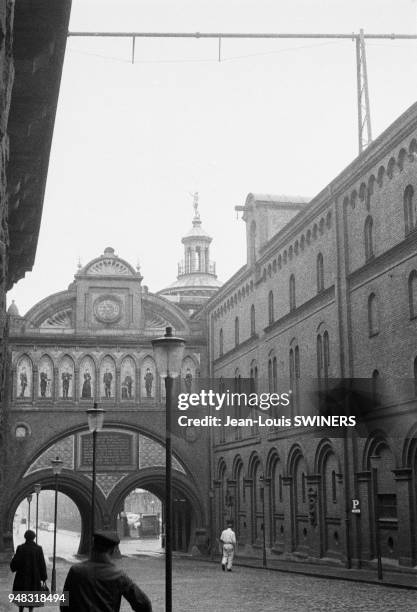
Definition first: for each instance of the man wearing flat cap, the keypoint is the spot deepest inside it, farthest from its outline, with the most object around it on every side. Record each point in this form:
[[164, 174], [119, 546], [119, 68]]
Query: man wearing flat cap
[[97, 585]]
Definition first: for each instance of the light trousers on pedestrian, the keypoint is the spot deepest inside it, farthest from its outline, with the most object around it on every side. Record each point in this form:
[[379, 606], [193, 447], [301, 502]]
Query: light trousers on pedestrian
[[228, 553]]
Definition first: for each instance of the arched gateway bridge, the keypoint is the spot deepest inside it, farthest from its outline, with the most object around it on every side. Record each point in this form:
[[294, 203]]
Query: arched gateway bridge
[[90, 343]]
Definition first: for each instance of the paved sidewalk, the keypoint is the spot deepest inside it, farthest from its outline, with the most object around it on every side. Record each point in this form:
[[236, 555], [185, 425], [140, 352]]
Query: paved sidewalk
[[391, 576]]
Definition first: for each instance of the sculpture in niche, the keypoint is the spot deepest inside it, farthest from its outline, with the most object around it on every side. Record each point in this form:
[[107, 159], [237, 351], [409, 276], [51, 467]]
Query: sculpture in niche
[[148, 382], [188, 380], [107, 378], [127, 378], [23, 382], [86, 390], [45, 378], [66, 378], [87, 378], [43, 383], [24, 378]]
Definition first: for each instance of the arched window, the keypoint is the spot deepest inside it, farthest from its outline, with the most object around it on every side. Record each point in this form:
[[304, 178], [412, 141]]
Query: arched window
[[409, 209], [415, 376], [297, 362], [274, 375], [373, 322], [270, 308], [369, 248], [412, 294], [292, 370], [334, 489], [375, 388], [270, 377], [252, 243], [236, 331], [198, 259], [294, 362], [221, 342], [323, 360], [320, 273], [292, 292], [326, 355], [319, 358], [252, 321]]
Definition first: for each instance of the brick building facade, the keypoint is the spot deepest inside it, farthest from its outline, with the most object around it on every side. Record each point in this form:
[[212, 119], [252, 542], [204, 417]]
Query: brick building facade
[[329, 291]]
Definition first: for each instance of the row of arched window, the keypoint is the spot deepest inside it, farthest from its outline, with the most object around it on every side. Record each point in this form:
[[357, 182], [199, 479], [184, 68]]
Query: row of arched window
[[373, 313], [410, 222], [275, 500], [373, 306], [271, 310]]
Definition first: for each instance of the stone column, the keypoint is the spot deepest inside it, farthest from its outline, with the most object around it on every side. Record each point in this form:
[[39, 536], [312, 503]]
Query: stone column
[[248, 488], [76, 386], [313, 495], [289, 535], [35, 384], [366, 527], [96, 390], [218, 518], [55, 386], [138, 383], [268, 518], [117, 389], [406, 537]]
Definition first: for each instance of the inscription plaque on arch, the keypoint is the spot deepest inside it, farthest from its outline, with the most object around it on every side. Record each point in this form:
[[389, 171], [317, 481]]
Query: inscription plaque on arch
[[115, 451]]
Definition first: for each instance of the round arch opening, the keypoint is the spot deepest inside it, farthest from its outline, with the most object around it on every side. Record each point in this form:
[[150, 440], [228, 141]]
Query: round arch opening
[[139, 522], [150, 487], [37, 513]]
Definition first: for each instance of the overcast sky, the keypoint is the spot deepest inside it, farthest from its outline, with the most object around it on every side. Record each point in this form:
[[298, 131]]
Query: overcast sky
[[131, 142]]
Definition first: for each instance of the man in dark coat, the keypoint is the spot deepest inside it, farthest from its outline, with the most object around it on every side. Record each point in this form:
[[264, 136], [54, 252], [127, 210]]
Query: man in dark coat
[[29, 565], [98, 585]]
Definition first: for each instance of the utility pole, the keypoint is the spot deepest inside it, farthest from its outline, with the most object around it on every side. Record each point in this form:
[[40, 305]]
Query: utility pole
[[364, 111]]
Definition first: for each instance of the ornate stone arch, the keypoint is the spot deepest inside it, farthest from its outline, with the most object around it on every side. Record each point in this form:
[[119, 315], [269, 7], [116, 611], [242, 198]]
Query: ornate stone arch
[[54, 311], [409, 449], [237, 463], [376, 439], [324, 448], [254, 461], [272, 458], [296, 452]]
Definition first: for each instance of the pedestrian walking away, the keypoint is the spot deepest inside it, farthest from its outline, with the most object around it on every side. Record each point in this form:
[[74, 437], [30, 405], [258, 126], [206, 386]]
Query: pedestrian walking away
[[29, 565], [228, 543], [97, 585]]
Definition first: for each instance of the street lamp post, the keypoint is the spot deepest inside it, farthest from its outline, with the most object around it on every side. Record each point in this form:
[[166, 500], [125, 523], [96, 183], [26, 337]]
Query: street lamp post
[[262, 481], [38, 488], [29, 499], [95, 418], [57, 465], [168, 353], [374, 480]]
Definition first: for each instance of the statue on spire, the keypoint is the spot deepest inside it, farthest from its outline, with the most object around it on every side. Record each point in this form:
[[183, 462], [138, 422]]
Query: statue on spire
[[195, 206]]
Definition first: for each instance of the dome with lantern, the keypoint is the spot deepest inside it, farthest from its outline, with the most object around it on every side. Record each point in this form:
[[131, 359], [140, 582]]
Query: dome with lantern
[[196, 280]]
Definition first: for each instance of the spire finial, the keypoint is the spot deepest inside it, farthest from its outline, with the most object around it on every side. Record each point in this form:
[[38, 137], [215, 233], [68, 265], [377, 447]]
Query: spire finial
[[138, 265], [196, 211], [79, 265]]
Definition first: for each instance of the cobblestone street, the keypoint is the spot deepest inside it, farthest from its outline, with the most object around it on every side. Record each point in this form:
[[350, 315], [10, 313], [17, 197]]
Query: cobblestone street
[[203, 587]]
